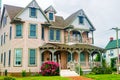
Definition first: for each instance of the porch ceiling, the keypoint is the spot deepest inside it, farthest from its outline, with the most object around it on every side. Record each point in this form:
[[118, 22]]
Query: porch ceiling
[[57, 46]]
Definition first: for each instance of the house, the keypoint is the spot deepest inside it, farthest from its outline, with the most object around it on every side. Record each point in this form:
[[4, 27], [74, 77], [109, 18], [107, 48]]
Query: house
[[30, 36], [111, 51]]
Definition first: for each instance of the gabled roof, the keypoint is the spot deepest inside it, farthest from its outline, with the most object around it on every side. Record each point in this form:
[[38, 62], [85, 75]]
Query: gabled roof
[[32, 6], [112, 44], [50, 8], [13, 10], [72, 17], [58, 23]]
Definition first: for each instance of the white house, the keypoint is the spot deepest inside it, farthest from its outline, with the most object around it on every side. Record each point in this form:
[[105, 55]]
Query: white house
[[111, 51]]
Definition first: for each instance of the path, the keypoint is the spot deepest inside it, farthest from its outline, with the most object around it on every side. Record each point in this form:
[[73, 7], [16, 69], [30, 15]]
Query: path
[[79, 78]]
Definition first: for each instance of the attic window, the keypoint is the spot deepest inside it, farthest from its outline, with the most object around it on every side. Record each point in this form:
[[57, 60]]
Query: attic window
[[33, 12], [51, 16], [81, 20]]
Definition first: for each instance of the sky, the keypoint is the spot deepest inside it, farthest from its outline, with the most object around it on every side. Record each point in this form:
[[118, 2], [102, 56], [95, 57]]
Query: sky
[[104, 14]]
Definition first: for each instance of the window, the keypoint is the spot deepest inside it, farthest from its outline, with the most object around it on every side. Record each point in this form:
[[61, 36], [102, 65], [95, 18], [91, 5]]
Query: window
[[33, 12], [81, 20], [111, 52], [69, 57], [1, 40], [9, 58], [19, 30], [4, 38], [51, 16], [4, 21], [32, 56], [82, 57], [18, 57], [58, 35], [51, 34], [32, 30], [10, 37], [77, 36], [1, 58], [104, 55], [4, 59], [54, 35], [42, 32]]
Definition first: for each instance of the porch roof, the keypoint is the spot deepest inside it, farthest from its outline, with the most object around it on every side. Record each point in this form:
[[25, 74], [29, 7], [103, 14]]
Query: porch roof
[[71, 47]]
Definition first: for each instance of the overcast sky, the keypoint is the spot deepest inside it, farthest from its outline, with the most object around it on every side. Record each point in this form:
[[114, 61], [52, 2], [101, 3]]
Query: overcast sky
[[104, 14]]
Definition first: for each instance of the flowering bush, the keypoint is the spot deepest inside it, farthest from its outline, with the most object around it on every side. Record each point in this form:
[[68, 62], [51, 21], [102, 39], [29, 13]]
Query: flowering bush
[[50, 69]]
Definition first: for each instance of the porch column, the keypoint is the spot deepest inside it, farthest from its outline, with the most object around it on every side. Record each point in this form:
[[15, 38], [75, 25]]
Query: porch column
[[53, 55], [92, 38], [81, 35], [79, 60], [71, 57], [91, 62], [101, 58], [69, 35], [41, 52]]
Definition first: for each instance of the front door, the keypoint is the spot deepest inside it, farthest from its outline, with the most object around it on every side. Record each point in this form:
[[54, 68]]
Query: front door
[[63, 60]]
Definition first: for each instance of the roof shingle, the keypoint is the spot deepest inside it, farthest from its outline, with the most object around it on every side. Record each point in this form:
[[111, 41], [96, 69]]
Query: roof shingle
[[112, 44]]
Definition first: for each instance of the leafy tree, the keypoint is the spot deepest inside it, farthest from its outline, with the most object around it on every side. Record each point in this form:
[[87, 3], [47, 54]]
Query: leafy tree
[[98, 57]]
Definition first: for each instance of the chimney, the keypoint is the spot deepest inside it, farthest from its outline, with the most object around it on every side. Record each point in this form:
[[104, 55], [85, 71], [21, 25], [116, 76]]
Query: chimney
[[111, 38]]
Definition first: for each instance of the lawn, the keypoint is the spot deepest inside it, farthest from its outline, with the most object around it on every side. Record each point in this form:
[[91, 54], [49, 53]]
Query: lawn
[[41, 78], [104, 77]]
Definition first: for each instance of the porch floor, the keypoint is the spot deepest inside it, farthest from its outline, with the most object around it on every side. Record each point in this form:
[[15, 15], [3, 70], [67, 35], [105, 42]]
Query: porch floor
[[67, 73]]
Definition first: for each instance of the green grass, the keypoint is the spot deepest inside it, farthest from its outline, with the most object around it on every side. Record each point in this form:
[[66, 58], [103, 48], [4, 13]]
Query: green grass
[[41, 78], [104, 77]]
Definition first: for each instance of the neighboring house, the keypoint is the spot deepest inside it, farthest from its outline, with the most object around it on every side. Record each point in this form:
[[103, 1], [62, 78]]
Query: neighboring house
[[30, 36], [111, 51]]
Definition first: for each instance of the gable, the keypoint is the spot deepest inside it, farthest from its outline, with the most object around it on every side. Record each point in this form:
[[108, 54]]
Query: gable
[[74, 21], [85, 25], [25, 13]]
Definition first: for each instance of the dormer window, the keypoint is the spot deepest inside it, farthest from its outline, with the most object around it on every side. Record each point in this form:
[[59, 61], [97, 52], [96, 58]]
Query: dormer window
[[81, 20], [33, 12], [51, 16]]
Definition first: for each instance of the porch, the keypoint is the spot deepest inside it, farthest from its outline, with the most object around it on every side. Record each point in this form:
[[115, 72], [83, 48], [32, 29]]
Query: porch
[[69, 56]]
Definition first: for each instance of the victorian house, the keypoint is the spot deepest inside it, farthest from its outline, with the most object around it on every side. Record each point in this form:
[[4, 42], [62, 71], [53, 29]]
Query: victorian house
[[30, 36]]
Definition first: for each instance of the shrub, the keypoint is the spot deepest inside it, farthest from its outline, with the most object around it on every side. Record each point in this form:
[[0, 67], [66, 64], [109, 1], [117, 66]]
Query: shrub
[[102, 70], [23, 73], [77, 70], [9, 78], [5, 72], [50, 69]]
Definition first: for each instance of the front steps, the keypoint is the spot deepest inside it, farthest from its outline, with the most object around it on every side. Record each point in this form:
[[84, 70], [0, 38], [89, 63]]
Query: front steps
[[67, 73]]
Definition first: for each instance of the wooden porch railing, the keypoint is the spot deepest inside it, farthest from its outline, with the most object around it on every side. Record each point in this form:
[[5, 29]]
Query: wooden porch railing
[[84, 65], [77, 40]]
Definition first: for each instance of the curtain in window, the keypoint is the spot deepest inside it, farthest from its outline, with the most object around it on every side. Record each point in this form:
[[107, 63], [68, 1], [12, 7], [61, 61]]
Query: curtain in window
[[18, 57], [32, 56]]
